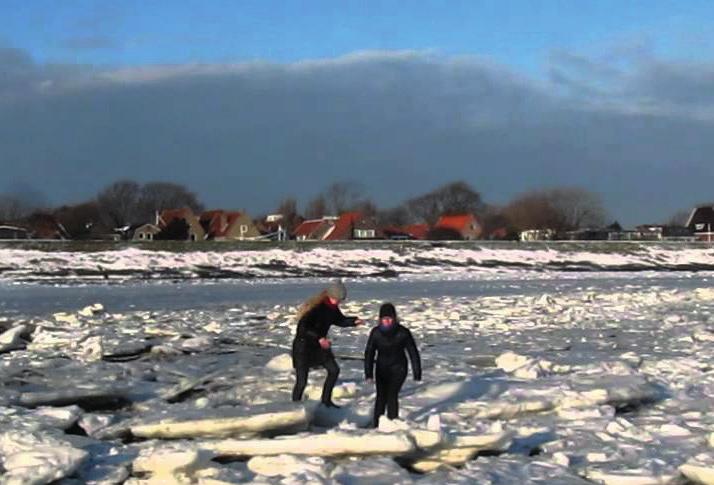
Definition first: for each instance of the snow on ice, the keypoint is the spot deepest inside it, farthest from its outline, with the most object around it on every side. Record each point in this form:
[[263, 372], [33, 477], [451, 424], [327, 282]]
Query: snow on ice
[[587, 381]]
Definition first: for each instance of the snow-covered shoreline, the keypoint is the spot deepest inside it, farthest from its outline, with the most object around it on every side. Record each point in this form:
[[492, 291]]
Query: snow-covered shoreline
[[349, 261]]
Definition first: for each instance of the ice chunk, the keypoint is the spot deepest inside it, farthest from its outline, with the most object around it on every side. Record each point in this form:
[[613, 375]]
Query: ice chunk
[[12, 339], [66, 318], [281, 363], [225, 425], [91, 397], [283, 465], [371, 471], [37, 458], [170, 462], [460, 448], [630, 477], [528, 368], [333, 443], [91, 310], [91, 349]]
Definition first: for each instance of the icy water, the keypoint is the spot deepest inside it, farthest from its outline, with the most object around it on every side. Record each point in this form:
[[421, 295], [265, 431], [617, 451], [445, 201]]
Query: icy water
[[33, 299], [531, 376]]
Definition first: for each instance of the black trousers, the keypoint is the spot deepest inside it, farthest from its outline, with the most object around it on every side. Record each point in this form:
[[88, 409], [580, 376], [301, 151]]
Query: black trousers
[[389, 382], [301, 372]]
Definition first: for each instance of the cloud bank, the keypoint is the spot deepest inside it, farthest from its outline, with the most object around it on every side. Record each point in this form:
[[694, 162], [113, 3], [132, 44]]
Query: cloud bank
[[635, 129]]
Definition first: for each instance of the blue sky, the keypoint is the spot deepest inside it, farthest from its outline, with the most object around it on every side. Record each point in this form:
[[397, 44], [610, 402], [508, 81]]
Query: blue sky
[[510, 96], [516, 33]]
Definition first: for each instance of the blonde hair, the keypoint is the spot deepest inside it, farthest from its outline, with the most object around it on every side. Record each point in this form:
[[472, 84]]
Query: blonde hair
[[309, 304]]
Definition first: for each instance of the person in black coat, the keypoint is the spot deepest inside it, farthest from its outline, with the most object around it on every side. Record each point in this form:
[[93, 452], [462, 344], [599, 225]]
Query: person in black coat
[[390, 340], [311, 347]]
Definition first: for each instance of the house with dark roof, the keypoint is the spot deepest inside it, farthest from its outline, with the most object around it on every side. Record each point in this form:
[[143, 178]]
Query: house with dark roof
[[701, 222], [467, 225], [44, 226], [13, 232], [195, 229], [408, 232]]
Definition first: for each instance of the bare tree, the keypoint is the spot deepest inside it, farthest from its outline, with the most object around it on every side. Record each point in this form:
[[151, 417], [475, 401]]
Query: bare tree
[[453, 198], [365, 207], [316, 208], [532, 210], [679, 218], [496, 224], [561, 209], [397, 216], [118, 203], [12, 208], [79, 220], [157, 196], [343, 196], [578, 208], [288, 209]]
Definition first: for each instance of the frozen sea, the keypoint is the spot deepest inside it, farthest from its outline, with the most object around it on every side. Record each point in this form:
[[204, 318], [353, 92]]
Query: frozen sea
[[550, 365]]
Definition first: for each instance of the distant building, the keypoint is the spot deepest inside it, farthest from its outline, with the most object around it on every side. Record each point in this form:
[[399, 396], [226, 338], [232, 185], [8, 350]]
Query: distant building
[[467, 225], [537, 235], [195, 230], [220, 225], [273, 227], [344, 226], [146, 232], [588, 234], [701, 223], [44, 226], [409, 232], [661, 232], [366, 228], [13, 232], [312, 229]]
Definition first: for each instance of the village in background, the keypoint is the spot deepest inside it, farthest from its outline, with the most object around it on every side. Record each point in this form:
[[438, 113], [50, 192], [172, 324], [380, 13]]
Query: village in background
[[128, 211]]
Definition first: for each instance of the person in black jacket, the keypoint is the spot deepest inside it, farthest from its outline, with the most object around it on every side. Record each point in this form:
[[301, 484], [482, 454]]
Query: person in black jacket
[[389, 340], [311, 347]]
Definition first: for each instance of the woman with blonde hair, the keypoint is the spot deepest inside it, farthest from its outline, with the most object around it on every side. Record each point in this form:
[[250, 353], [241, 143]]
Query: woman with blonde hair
[[311, 347]]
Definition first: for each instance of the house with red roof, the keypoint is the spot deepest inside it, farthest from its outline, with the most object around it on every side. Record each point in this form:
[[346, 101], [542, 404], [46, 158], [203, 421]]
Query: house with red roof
[[467, 225], [220, 225], [343, 229], [314, 229], [348, 226]]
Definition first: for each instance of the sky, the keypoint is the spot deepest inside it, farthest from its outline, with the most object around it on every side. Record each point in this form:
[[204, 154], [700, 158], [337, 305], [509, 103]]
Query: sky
[[246, 102]]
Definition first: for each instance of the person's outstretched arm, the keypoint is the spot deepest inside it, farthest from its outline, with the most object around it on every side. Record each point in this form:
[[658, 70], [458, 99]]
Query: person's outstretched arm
[[343, 321], [414, 356], [369, 352]]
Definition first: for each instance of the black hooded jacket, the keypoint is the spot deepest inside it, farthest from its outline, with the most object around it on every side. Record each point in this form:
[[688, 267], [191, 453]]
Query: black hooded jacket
[[313, 326], [390, 347]]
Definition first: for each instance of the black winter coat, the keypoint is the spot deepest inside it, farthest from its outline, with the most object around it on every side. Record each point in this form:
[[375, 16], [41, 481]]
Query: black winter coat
[[390, 347], [313, 326]]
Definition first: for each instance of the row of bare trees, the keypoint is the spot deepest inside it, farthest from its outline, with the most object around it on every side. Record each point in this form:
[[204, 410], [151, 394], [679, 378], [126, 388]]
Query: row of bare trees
[[127, 202], [121, 203], [558, 208]]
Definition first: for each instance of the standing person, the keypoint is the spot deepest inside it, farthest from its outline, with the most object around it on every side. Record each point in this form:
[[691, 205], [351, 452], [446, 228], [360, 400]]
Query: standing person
[[311, 347], [390, 340]]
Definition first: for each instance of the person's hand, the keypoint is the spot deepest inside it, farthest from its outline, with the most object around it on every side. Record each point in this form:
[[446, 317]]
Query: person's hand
[[324, 343], [359, 322], [368, 379]]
